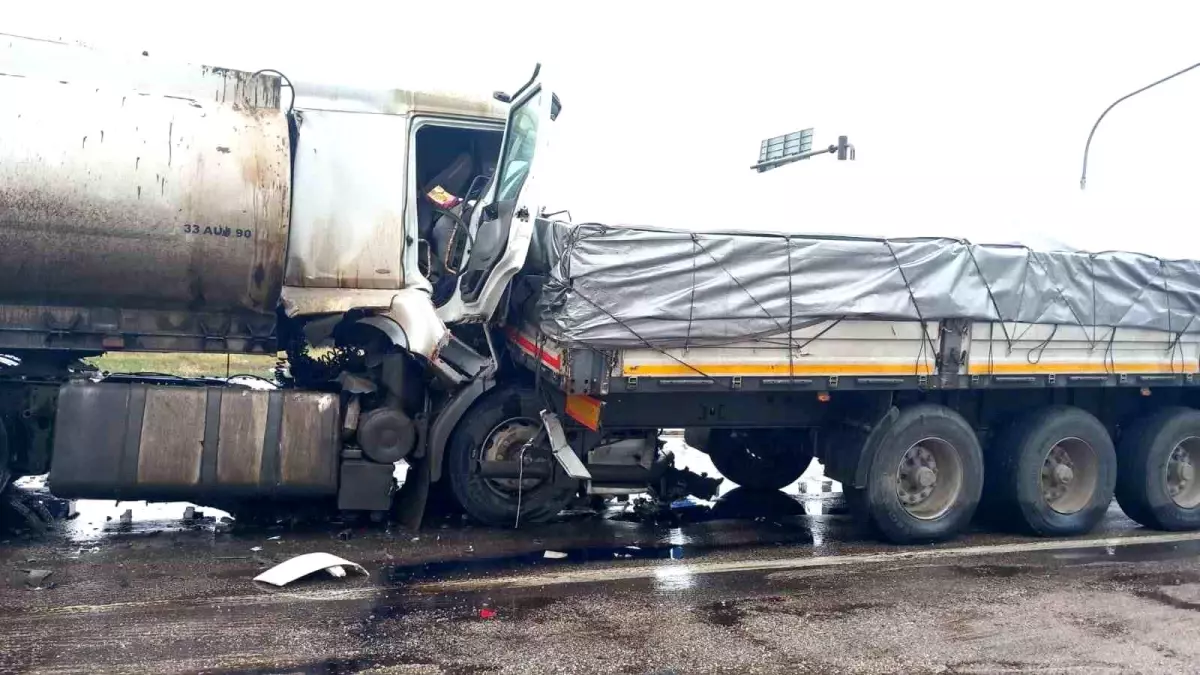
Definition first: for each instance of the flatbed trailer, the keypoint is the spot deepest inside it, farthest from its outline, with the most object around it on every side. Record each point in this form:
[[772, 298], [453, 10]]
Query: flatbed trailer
[[920, 415], [852, 377]]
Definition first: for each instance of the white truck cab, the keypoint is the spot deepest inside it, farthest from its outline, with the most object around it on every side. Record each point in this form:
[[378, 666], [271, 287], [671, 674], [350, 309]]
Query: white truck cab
[[439, 245]]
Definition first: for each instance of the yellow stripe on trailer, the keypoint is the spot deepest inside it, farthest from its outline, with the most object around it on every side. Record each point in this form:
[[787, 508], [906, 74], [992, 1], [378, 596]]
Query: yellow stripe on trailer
[[1060, 368], [773, 369]]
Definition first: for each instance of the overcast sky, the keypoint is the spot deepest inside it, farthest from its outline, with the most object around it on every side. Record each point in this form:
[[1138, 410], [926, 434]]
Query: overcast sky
[[969, 118]]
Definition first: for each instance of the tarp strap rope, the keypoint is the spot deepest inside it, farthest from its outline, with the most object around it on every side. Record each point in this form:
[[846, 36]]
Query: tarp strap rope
[[912, 296], [1040, 348], [739, 283], [644, 341], [991, 296], [1062, 296], [692, 300], [791, 347]]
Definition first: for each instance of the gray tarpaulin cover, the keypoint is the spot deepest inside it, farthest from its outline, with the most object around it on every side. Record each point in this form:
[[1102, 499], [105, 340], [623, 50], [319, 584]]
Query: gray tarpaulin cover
[[607, 286]]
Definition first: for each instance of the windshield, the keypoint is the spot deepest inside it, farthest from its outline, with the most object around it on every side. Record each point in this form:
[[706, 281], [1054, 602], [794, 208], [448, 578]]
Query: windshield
[[519, 148]]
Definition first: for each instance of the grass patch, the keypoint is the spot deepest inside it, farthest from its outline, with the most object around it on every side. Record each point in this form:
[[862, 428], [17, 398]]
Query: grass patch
[[187, 364]]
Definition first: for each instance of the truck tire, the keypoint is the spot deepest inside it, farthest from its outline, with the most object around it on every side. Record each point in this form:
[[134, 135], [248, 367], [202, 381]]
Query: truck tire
[[496, 427], [925, 476], [1052, 473], [758, 459], [1158, 462]]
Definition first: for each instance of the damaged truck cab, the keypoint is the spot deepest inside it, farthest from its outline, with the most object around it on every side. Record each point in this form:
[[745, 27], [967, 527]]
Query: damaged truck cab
[[368, 234]]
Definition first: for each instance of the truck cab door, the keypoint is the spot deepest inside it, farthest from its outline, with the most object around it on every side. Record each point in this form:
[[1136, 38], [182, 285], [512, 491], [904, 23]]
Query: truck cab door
[[501, 224]]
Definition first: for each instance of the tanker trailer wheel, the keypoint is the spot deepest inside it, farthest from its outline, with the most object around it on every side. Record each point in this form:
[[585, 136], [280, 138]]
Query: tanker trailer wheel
[[496, 429], [925, 476], [1158, 470], [1052, 473], [759, 459]]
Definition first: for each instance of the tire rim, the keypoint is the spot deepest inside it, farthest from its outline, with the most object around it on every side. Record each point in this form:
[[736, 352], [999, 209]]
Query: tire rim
[[504, 443], [1183, 485], [929, 478], [1069, 475]]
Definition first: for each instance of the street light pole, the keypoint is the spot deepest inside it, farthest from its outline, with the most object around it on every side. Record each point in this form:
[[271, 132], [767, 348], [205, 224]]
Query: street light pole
[[1088, 146]]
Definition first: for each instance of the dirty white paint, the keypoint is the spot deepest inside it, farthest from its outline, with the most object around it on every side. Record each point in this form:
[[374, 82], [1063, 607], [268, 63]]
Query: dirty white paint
[[133, 71], [115, 197], [348, 218]]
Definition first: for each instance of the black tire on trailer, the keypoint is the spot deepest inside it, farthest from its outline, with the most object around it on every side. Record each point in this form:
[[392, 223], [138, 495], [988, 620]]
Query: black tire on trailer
[[496, 427], [925, 476], [759, 459], [1051, 473], [1158, 470]]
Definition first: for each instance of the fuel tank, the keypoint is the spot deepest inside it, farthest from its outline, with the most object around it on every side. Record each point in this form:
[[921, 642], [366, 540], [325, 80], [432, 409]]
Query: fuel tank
[[148, 190], [141, 441]]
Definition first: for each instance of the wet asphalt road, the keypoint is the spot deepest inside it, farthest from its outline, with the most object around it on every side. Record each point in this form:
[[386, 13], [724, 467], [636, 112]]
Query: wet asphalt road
[[769, 592]]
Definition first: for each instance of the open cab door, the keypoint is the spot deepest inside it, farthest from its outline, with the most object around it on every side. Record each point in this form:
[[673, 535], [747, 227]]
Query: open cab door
[[501, 224]]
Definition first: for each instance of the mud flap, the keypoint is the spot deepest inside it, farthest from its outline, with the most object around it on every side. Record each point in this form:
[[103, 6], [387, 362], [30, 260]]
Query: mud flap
[[413, 496]]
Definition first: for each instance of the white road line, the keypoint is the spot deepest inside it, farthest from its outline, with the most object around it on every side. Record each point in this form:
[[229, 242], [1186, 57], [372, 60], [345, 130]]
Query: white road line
[[579, 576], [621, 573]]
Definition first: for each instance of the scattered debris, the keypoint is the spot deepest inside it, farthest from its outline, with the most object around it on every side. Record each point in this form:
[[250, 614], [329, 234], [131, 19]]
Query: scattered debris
[[189, 513], [127, 517], [34, 578], [275, 538], [256, 549], [345, 535], [486, 613], [555, 555], [22, 509], [303, 565]]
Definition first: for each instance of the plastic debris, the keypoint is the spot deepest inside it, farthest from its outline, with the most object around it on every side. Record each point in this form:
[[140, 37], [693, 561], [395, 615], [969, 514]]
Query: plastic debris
[[486, 613], [554, 555], [303, 565], [34, 578]]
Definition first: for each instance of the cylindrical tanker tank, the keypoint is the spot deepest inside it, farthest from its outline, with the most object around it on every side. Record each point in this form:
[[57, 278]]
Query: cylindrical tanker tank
[[120, 199]]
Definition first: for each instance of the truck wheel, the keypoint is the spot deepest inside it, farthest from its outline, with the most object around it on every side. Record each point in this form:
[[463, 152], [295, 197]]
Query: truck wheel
[[1158, 476], [758, 459], [925, 476], [1052, 472], [496, 429]]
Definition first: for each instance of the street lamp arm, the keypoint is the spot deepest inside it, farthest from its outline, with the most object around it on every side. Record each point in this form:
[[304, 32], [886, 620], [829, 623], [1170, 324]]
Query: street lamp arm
[[1088, 146]]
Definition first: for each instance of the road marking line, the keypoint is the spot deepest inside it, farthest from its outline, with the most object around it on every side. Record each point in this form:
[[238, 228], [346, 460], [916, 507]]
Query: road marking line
[[688, 569], [664, 571]]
